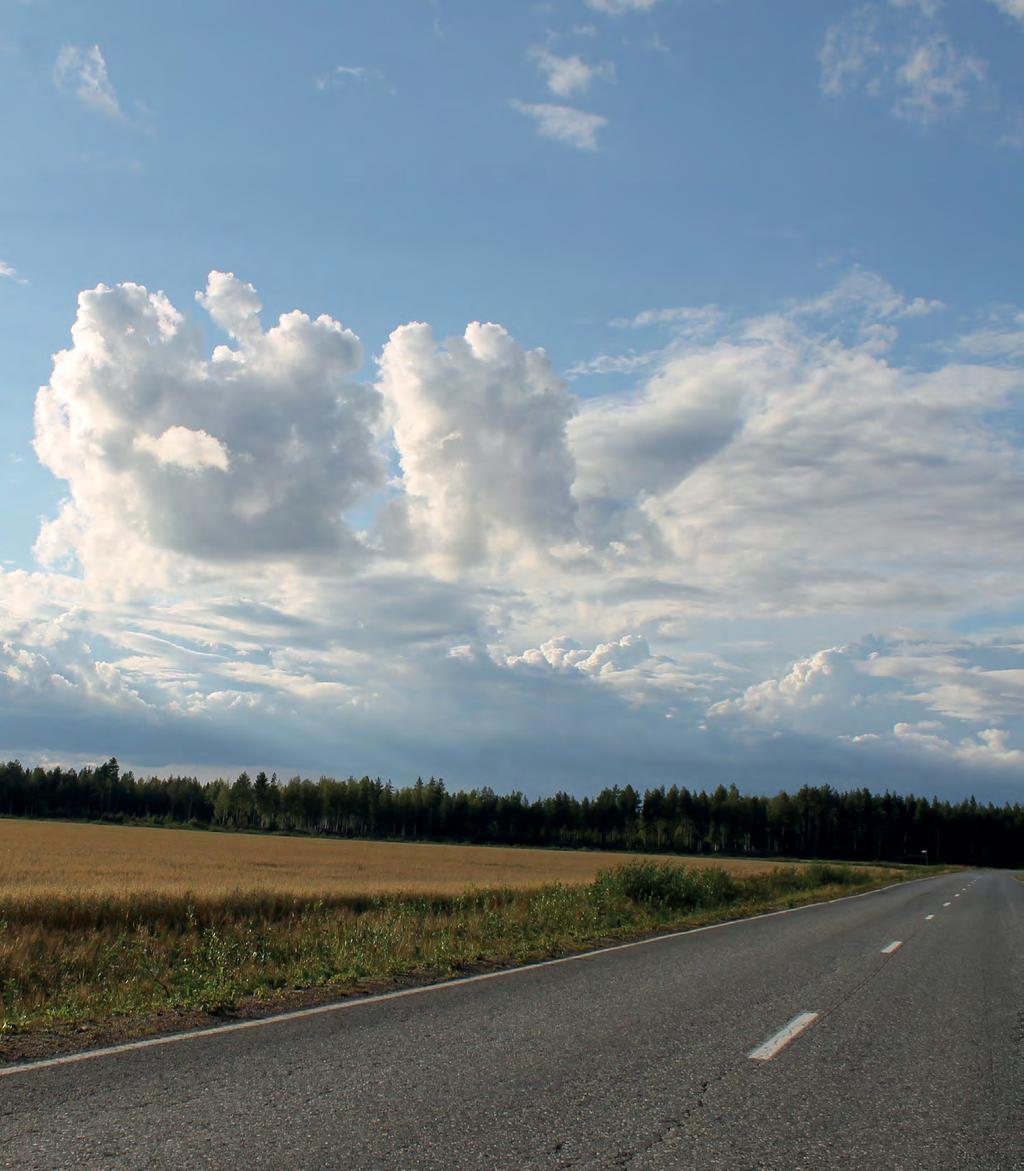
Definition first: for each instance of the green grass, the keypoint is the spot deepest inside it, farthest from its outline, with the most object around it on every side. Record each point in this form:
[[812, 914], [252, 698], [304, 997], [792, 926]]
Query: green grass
[[68, 960]]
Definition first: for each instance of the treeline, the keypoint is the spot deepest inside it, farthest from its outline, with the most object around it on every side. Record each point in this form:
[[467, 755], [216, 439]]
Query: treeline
[[815, 822]]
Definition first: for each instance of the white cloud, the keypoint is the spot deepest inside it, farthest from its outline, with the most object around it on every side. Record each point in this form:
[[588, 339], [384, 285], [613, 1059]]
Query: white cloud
[[782, 462], [618, 7], [935, 79], [564, 123], [827, 679], [612, 364], [1001, 336], [625, 665], [340, 74], [76, 679], [864, 310], [694, 320], [925, 7], [850, 48], [232, 304], [564, 653], [630, 449], [968, 681], [912, 693], [479, 427], [1014, 8], [182, 448], [909, 62], [565, 76], [862, 295], [83, 72], [987, 748], [140, 423], [343, 75], [786, 462]]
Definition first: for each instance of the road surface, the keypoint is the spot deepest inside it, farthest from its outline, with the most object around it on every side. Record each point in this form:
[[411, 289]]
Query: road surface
[[882, 1031]]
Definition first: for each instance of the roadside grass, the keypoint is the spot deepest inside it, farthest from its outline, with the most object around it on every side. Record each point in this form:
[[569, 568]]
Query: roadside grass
[[69, 959]]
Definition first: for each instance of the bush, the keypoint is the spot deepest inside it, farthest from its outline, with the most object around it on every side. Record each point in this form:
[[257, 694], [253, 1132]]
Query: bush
[[664, 885], [667, 887], [827, 874]]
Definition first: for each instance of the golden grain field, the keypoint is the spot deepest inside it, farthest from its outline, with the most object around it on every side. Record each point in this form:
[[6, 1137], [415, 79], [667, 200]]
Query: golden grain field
[[39, 858]]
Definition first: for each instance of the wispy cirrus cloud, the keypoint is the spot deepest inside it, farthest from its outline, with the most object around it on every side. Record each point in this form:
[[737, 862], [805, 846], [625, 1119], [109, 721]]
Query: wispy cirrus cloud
[[565, 124], [999, 337], [612, 364], [689, 318], [864, 302], [344, 75], [907, 60], [620, 7], [10, 273], [1014, 8], [925, 7], [83, 73], [936, 79]]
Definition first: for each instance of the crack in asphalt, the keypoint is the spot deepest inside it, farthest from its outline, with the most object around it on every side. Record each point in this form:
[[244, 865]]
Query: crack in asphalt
[[676, 1125]]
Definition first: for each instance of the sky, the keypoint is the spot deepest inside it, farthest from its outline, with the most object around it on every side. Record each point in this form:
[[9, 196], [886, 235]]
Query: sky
[[546, 396]]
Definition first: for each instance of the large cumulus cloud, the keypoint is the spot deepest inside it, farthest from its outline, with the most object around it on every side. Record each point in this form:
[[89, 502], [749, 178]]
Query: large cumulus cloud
[[480, 431], [253, 452]]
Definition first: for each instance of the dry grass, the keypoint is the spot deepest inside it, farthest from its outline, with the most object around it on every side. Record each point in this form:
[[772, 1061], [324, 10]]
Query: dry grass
[[40, 858]]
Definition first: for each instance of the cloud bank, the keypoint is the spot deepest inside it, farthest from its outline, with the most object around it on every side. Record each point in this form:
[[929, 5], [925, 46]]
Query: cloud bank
[[765, 560]]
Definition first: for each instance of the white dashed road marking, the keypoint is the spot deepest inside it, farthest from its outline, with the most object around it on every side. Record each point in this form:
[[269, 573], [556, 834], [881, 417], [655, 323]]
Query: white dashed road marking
[[782, 1038], [894, 946], [929, 916]]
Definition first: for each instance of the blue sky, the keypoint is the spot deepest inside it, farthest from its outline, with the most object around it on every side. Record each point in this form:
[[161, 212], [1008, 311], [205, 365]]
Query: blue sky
[[729, 489]]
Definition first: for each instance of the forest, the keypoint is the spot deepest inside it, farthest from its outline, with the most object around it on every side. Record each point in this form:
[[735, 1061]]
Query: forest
[[814, 822]]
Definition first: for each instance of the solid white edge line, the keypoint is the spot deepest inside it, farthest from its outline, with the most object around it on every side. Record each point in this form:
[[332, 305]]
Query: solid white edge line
[[779, 1040], [894, 946], [423, 989]]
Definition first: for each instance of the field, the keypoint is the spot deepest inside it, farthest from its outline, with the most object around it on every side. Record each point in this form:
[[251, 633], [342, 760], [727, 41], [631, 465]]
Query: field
[[49, 858], [110, 931]]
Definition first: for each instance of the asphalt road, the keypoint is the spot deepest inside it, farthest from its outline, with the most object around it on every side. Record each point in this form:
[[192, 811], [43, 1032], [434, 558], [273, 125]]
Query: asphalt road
[[634, 1058]]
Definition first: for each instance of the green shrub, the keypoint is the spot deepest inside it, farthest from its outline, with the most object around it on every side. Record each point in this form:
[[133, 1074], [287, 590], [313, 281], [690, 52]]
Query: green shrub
[[665, 885]]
